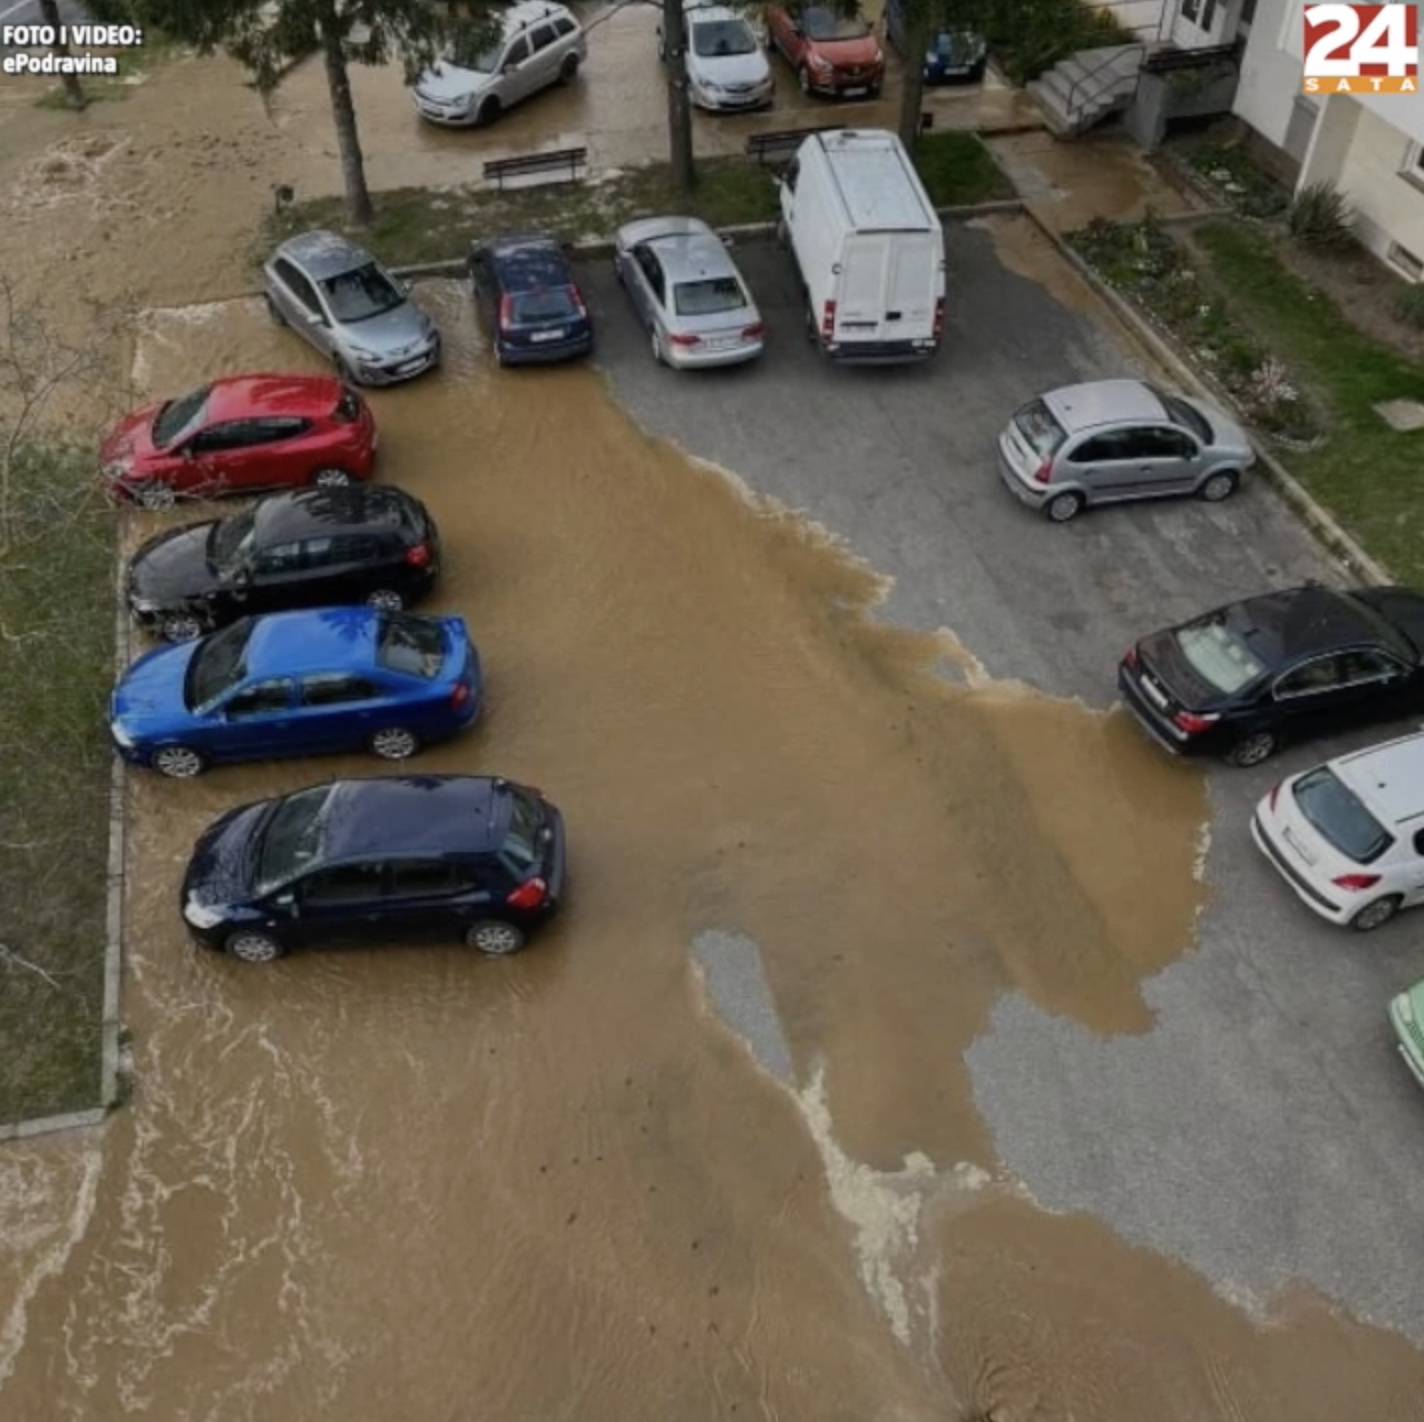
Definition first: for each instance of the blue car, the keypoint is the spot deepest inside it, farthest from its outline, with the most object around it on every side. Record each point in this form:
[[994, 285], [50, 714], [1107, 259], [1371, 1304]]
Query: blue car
[[298, 683], [528, 300], [951, 55]]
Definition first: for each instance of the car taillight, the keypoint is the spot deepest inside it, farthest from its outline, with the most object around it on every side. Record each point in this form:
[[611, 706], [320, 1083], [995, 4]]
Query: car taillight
[[506, 312], [460, 694], [828, 320], [1193, 724], [529, 895], [753, 332], [578, 300], [1129, 658], [939, 318], [1356, 882], [681, 339], [418, 556], [1044, 472]]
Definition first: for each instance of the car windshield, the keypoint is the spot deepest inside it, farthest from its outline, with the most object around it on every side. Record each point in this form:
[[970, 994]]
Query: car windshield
[[180, 418], [362, 293], [231, 540], [1340, 817], [952, 42], [822, 24], [481, 59], [714, 38], [550, 303], [708, 297], [292, 840], [520, 852], [1036, 424], [414, 646], [1185, 415], [1218, 655], [216, 665]]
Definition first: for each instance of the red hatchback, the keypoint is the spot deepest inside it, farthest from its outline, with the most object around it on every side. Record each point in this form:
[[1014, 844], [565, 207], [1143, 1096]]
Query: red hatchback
[[831, 52], [239, 435]]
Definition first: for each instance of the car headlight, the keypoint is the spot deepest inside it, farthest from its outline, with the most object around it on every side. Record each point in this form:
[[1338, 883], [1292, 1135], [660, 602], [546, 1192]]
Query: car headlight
[[122, 738], [144, 605], [202, 915], [821, 63], [113, 473]]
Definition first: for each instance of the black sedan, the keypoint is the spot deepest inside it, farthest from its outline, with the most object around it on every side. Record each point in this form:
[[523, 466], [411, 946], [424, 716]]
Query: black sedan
[[433, 857], [1240, 681], [528, 299], [316, 548]]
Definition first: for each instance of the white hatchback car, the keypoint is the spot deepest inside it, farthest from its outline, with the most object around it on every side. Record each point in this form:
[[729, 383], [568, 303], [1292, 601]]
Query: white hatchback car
[[542, 44], [727, 69], [1348, 836]]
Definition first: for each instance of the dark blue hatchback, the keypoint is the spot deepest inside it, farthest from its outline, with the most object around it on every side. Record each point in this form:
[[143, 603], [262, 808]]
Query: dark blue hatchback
[[529, 301], [951, 56]]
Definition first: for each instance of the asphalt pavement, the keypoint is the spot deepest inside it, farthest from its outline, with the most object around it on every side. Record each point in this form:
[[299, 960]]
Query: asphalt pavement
[[1263, 1131]]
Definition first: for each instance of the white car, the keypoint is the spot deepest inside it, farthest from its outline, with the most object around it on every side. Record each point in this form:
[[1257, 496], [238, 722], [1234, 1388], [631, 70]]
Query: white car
[[1348, 836], [542, 44], [727, 67]]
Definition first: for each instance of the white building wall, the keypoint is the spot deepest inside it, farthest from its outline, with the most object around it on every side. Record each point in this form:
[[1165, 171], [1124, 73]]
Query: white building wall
[[1389, 205]]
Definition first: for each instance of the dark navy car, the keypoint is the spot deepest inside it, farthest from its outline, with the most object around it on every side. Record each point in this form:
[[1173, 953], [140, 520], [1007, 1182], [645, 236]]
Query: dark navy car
[[952, 56], [366, 543], [437, 857], [1243, 679], [298, 683], [529, 301]]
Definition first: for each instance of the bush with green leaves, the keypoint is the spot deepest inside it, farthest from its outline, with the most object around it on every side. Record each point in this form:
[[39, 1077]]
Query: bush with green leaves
[[1409, 305], [1321, 219]]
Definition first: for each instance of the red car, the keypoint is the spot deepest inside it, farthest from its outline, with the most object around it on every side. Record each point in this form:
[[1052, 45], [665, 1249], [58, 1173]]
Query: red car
[[832, 53], [239, 435]]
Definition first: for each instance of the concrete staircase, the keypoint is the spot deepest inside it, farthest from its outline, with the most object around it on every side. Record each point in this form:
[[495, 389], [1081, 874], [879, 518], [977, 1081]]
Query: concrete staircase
[[1088, 86]]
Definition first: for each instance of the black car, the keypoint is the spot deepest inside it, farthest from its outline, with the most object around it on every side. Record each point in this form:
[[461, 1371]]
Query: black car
[[430, 857], [528, 300], [319, 547], [1241, 680]]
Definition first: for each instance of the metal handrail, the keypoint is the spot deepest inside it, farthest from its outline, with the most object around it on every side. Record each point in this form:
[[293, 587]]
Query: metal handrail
[[1107, 63]]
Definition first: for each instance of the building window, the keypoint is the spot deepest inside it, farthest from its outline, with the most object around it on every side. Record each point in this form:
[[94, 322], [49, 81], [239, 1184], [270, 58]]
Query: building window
[[1403, 260]]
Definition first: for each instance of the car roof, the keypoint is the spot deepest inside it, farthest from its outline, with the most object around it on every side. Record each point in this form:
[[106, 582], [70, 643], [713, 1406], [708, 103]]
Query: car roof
[[529, 261], [245, 397], [1280, 627], [410, 815], [878, 186], [327, 639], [687, 247], [519, 17], [1389, 778], [1104, 402], [307, 512], [323, 254]]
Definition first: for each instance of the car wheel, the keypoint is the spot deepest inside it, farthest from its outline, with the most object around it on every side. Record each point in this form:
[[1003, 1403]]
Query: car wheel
[[394, 743], [489, 110], [1220, 486], [568, 70], [181, 627], [1253, 749], [803, 78], [155, 497], [274, 311], [178, 762], [386, 599], [495, 936], [250, 946], [331, 479], [1375, 914], [1061, 507]]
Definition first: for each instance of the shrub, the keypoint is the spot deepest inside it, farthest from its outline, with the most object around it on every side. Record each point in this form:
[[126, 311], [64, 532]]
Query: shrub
[[1029, 36], [1320, 218], [1409, 305]]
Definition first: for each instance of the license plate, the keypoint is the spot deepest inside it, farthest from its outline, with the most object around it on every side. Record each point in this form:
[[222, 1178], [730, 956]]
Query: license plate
[[556, 335], [854, 93]]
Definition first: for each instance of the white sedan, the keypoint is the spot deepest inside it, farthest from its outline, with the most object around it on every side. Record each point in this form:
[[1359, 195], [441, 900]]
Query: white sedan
[[727, 69]]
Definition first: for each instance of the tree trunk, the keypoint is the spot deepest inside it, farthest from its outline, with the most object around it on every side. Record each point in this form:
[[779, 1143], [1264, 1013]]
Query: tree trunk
[[684, 174], [917, 33], [73, 89], [343, 113]]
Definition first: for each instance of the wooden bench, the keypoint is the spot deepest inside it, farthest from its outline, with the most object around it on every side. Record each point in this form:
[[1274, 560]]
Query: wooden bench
[[780, 145], [535, 164]]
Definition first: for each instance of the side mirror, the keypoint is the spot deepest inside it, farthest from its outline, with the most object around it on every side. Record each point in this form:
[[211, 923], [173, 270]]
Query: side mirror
[[509, 66], [287, 902]]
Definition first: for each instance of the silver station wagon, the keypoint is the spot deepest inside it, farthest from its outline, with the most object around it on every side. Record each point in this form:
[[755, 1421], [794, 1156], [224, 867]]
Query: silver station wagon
[[1113, 440], [688, 292]]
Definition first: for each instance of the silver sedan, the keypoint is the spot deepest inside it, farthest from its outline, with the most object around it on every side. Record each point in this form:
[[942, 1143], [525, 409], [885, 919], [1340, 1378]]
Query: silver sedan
[[688, 292]]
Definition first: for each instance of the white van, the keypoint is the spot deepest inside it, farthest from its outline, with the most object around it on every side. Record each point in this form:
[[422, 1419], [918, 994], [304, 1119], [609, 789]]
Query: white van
[[869, 246]]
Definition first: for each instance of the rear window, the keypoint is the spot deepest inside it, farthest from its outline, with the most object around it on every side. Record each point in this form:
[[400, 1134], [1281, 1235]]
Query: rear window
[[1340, 817], [1036, 424], [413, 646], [1185, 416], [1219, 656], [550, 303], [707, 298], [520, 853]]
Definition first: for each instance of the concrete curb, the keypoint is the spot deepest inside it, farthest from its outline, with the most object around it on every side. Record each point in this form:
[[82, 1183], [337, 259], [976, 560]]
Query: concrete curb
[[113, 934], [1288, 488]]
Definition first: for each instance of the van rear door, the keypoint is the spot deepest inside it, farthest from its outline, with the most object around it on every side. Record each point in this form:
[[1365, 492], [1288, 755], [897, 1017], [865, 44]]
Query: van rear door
[[888, 287]]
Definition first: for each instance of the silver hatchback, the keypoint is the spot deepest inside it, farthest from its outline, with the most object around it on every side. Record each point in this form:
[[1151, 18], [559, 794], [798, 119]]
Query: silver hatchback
[[1109, 441], [350, 308]]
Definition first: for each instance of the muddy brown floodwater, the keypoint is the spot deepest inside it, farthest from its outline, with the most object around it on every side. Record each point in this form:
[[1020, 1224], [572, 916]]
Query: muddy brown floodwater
[[411, 1184]]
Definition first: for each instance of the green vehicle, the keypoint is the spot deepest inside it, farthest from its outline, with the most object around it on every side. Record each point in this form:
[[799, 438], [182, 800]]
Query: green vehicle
[[1406, 1016]]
